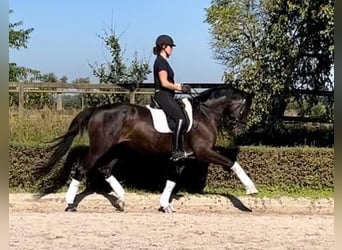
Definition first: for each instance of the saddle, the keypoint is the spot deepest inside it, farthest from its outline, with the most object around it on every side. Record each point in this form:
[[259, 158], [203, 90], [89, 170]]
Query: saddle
[[161, 121], [154, 104]]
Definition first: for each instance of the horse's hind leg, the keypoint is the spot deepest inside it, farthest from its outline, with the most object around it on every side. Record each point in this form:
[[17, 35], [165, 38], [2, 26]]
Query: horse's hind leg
[[79, 197], [71, 194], [164, 201], [82, 167], [114, 183], [76, 178]]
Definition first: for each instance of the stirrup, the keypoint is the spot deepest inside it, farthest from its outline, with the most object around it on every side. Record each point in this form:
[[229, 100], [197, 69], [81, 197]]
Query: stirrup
[[180, 155]]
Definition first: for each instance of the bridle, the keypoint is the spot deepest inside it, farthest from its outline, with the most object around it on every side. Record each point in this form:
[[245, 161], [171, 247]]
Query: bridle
[[234, 121]]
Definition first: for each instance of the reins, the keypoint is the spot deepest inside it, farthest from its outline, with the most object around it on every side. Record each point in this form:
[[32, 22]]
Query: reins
[[201, 106]]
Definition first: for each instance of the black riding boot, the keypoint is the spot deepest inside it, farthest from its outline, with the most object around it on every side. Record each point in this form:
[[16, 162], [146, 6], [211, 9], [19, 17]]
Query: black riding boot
[[178, 153]]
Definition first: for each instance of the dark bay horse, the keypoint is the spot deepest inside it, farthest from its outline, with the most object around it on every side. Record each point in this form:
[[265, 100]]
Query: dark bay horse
[[110, 126], [191, 179]]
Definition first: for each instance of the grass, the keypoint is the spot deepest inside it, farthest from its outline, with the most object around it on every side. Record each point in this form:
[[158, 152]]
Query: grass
[[35, 127]]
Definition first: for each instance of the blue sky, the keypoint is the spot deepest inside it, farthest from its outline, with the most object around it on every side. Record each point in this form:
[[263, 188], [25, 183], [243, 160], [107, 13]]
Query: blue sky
[[65, 38]]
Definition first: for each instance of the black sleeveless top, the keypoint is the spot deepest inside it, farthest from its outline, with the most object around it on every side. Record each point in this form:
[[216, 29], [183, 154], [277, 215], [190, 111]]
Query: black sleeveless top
[[160, 64]]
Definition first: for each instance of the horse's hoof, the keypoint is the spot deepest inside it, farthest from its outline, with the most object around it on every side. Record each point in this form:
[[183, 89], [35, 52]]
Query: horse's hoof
[[252, 191], [70, 208], [120, 205], [167, 209]]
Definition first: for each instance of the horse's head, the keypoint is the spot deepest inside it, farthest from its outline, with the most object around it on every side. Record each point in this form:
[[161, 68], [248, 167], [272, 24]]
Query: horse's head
[[232, 104], [237, 110]]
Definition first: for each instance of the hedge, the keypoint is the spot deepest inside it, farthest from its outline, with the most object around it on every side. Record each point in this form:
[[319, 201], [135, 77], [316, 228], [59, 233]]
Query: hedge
[[284, 167]]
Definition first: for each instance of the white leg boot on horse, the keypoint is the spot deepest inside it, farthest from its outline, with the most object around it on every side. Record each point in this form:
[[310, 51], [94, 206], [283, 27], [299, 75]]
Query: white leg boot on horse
[[119, 191], [165, 205], [71, 194], [246, 181]]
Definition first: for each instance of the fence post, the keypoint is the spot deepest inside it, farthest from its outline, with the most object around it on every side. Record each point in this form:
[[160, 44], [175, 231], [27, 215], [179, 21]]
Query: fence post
[[21, 97], [82, 101], [59, 101], [132, 97]]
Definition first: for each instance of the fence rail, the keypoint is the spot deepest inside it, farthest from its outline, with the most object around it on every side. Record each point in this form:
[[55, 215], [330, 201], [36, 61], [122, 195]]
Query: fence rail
[[118, 88], [132, 90]]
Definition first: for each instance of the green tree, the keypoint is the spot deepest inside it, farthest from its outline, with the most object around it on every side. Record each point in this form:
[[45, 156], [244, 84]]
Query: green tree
[[237, 32], [116, 71], [272, 47], [41, 100], [48, 77], [64, 79], [18, 39], [81, 80], [299, 45]]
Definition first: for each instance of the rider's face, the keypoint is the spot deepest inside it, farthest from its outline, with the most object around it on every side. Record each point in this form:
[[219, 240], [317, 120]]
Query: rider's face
[[169, 49]]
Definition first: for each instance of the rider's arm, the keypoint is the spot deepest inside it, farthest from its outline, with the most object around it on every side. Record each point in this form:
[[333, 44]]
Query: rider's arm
[[166, 84]]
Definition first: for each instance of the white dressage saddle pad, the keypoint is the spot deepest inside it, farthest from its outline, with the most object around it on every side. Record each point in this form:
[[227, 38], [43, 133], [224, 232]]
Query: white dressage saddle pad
[[160, 121]]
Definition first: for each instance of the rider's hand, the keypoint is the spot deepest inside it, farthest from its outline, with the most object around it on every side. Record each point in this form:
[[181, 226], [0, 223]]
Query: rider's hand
[[186, 89]]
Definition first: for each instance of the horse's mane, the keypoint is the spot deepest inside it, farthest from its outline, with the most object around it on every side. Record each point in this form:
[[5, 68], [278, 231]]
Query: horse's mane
[[226, 90]]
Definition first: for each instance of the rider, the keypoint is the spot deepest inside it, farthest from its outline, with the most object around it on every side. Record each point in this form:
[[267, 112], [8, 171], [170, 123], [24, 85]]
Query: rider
[[165, 88]]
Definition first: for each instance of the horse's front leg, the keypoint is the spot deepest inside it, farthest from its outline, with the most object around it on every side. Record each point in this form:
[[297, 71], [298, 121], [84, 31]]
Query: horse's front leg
[[211, 156]]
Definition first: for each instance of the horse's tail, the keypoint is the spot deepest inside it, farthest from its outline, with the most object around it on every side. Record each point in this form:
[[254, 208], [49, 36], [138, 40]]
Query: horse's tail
[[63, 143], [72, 163]]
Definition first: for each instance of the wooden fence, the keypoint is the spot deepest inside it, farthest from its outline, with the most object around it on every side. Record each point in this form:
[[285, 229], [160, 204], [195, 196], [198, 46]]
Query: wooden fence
[[85, 88], [131, 90]]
